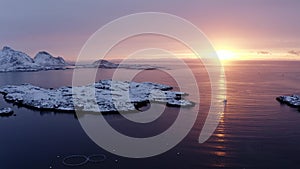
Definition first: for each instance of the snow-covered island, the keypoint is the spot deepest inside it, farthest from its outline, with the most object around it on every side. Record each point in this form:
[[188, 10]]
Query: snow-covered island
[[16, 61], [293, 100], [110, 96]]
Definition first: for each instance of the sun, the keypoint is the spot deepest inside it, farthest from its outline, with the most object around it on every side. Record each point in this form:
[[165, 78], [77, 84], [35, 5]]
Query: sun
[[226, 55]]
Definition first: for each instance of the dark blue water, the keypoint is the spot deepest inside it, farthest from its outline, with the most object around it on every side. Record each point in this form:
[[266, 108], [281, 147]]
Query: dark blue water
[[254, 132]]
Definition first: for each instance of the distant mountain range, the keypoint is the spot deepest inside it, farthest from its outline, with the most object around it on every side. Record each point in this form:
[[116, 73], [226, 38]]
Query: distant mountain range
[[109, 65], [16, 61], [12, 60]]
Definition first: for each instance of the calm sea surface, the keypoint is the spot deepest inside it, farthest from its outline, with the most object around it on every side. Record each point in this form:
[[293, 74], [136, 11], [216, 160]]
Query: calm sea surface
[[254, 132]]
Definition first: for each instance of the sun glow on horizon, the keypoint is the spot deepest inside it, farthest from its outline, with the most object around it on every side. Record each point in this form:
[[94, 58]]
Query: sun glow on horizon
[[226, 55]]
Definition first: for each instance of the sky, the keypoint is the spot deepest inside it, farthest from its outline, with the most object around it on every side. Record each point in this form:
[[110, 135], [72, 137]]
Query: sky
[[249, 29]]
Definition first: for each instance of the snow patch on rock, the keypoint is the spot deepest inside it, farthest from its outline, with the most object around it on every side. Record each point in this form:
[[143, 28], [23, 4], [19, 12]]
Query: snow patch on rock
[[7, 111]]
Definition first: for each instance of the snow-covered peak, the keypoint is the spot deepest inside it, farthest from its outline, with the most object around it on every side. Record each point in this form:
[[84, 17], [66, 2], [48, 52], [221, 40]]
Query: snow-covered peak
[[11, 57], [12, 60], [45, 59]]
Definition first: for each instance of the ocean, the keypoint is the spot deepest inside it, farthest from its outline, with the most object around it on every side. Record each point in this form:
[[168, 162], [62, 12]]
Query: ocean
[[255, 131]]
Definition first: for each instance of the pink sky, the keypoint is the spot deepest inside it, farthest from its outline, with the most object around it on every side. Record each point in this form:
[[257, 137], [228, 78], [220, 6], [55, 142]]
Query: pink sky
[[251, 28]]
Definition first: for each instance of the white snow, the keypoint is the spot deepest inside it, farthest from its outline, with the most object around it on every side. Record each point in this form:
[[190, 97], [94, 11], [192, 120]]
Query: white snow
[[293, 100], [6, 111], [110, 96]]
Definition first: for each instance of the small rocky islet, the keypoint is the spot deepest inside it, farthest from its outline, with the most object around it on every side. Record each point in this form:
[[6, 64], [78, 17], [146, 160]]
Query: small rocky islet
[[5, 112], [292, 101]]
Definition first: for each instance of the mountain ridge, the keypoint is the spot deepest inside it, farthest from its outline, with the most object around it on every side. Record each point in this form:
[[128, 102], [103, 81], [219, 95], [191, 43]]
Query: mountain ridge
[[14, 60]]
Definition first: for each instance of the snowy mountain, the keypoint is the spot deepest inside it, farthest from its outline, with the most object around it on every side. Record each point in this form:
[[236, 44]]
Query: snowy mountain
[[12, 60], [45, 59], [105, 64], [16, 61]]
